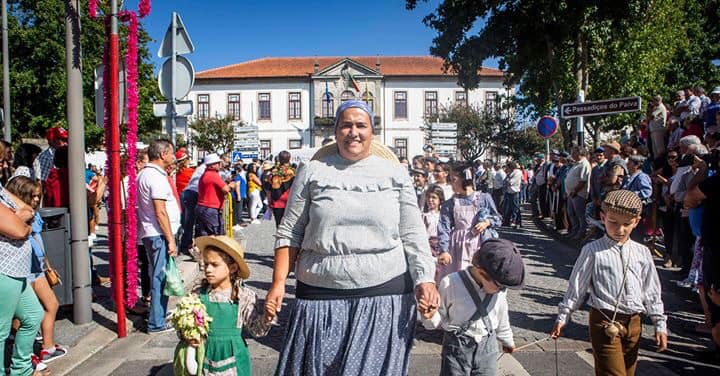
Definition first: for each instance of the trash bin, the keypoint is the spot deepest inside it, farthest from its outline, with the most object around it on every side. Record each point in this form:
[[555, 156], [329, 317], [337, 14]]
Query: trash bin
[[56, 238]]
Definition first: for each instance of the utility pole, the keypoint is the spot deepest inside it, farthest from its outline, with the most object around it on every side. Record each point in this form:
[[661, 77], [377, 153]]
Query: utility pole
[[82, 292], [6, 75]]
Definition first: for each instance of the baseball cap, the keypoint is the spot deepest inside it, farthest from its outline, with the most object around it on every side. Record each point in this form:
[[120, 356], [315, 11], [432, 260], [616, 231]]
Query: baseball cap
[[715, 90], [502, 261], [211, 159], [57, 133], [181, 155]]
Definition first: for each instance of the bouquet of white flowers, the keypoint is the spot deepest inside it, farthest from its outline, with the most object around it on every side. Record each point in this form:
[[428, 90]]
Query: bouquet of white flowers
[[192, 322]]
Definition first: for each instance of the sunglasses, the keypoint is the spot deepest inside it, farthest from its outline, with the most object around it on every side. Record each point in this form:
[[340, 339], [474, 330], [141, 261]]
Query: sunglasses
[[672, 157]]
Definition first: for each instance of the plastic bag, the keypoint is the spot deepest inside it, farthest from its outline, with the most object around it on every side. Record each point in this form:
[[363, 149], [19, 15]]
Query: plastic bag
[[268, 215], [183, 352], [173, 279]]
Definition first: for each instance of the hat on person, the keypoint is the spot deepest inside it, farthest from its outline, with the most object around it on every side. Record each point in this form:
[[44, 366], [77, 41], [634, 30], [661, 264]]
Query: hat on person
[[539, 156], [623, 202], [564, 154], [228, 245], [502, 261], [57, 133], [181, 155], [715, 90], [599, 150], [212, 158], [612, 145], [554, 152], [417, 171], [376, 149]]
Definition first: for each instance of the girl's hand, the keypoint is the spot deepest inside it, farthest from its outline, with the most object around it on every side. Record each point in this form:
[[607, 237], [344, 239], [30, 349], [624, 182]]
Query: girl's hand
[[556, 330], [482, 226], [427, 310], [444, 258], [193, 343], [661, 341], [273, 300], [508, 350]]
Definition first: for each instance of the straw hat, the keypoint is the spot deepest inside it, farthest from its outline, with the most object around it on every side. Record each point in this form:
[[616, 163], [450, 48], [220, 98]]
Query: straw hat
[[229, 246], [376, 149]]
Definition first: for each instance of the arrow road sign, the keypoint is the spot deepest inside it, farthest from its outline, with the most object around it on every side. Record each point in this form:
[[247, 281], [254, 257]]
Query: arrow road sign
[[183, 44], [444, 134], [444, 141], [603, 107], [443, 126]]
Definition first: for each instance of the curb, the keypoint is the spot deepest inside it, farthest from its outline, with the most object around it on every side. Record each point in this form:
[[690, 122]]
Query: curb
[[101, 337]]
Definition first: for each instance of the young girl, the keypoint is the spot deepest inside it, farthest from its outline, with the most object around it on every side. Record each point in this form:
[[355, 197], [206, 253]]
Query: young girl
[[441, 174], [465, 221], [28, 191], [231, 306], [434, 198]]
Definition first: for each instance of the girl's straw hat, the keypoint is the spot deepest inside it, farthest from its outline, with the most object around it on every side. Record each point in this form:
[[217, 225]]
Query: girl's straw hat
[[229, 246], [376, 149]]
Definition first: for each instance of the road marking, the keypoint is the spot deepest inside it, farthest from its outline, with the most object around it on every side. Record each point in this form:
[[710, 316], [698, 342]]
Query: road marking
[[509, 366]]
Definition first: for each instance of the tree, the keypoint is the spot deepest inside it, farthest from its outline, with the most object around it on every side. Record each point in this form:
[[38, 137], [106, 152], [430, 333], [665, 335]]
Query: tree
[[214, 134], [37, 69], [553, 49]]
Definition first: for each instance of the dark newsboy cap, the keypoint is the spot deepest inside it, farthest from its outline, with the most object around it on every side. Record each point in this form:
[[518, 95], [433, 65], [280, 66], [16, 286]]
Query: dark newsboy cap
[[502, 261], [417, 171]]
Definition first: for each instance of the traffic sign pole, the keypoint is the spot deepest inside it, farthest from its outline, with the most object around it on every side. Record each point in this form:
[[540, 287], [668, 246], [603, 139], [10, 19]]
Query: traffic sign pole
[[579, 128], [171, 108]]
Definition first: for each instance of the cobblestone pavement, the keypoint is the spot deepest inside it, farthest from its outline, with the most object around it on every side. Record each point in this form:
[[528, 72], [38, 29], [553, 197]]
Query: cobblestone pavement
[[532, 313]]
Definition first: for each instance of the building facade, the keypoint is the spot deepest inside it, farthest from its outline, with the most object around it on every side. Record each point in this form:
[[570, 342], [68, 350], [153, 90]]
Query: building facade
[[293, 100]]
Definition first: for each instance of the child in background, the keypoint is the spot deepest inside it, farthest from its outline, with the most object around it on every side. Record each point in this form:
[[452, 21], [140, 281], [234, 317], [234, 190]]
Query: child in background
[[28, 190], [231, 306], [473, 310], [620, 278], [434, 198]]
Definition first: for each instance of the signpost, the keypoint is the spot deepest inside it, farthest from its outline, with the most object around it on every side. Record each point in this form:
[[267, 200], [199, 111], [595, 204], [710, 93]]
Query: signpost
[[443, 137], [603, 107], [177, 74], [246, 144]]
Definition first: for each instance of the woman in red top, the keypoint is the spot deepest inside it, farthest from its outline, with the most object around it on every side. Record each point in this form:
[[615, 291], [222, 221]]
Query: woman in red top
[[281, 178], [184, 172]]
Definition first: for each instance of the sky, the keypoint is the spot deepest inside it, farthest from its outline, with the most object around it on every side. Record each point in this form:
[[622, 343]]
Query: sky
[[227, 32]]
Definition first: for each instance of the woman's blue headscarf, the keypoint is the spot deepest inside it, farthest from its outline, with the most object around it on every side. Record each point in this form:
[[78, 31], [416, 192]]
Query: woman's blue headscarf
[[354, 104]]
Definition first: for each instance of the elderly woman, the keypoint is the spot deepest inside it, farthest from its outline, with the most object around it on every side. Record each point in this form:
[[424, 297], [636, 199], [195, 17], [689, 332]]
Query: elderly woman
[[353, 234]]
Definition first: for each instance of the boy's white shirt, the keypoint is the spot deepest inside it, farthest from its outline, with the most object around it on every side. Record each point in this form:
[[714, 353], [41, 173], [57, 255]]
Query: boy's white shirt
[[457, 307]]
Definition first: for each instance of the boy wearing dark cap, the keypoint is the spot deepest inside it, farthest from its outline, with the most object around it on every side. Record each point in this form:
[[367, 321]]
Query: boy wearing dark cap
[[473, 309], [618, 277]]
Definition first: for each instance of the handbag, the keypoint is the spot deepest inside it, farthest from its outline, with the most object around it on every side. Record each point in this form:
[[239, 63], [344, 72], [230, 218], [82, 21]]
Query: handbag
[[51, 275]]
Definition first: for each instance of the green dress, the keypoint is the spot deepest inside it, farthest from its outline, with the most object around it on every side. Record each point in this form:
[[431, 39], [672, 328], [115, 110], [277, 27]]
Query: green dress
[[226, 353]]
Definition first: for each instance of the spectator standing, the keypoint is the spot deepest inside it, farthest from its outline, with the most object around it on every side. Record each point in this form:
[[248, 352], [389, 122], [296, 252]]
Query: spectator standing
[[184, 172], [141, 159], [540, 207], [56, 184], [498, 184], [24, 159], [712, 110], [254, 187], [189, 199], [577, 187], [281, 178], [160, 219], [211, 198], [511, 202], [57, 137], [239, 195], [656, 126]]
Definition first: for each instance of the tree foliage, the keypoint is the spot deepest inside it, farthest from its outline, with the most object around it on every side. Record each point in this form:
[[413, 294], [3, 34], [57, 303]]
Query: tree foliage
[[552, 49], [37, 69], [214, 134]]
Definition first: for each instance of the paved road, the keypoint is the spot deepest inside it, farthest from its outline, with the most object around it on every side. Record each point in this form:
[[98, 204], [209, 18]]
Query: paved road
[[532, 312]]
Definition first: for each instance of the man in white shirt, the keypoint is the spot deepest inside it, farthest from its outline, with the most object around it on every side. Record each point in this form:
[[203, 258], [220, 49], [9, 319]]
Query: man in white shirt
[[577, 188], [511, 201], [159, 216], [498, 180]]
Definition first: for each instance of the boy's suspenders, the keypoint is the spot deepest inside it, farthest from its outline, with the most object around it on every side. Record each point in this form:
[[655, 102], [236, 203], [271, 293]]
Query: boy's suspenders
[[482, 305]]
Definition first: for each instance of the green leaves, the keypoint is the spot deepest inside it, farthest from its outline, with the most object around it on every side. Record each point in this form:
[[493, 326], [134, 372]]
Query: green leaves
[[214, 134]]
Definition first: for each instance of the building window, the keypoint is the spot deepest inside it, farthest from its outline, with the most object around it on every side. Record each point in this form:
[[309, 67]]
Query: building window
[[294, 111], [368, 98], [400, 105], [491, 101], [346, 96], [401, 147], [431, 103], [265, 148], [203, 106], [294, 144], [460, 98], [328, 105], [264, 106], [233, 106]]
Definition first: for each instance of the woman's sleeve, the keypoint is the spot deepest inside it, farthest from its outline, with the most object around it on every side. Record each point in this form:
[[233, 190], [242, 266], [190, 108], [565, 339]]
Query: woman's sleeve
[[445, 225], [495, 218], [414, 236], [291, 231]]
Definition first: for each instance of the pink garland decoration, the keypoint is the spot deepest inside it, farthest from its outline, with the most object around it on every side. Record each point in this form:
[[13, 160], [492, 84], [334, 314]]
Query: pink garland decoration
[[131, 67], [92, 8], [144, 8]]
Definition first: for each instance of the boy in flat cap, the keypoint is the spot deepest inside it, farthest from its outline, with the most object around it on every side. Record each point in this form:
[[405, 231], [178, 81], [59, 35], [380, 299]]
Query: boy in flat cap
[[473, 310], [618, 277]]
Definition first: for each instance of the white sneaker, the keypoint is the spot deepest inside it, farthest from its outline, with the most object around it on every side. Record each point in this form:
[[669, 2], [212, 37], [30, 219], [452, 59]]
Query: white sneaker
[[237, 227], [255, 221]]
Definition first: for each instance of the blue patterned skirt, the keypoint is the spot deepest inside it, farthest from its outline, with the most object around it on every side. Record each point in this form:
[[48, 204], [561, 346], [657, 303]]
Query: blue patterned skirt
[[358, 336]]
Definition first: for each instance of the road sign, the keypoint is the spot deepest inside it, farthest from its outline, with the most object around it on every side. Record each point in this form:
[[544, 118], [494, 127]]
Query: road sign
[[443, 133], [246, 143], [100, 97], [603, 107], [547, 126], [443, 126], [446, 150], [184, 76], [444, 141], [183, 44], [245, 129], [182, 108]]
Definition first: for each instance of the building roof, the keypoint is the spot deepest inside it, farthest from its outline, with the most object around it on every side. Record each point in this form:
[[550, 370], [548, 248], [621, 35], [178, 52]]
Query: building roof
[[269, 67]]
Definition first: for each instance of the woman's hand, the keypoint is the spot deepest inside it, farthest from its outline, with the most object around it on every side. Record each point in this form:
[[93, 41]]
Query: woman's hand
[[426, 310], [508, 350], [444, 258], [273, 301], [556, 330], [427, 297]]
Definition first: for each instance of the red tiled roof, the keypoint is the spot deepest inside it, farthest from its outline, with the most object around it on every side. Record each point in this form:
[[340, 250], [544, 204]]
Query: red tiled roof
[[304, 66]]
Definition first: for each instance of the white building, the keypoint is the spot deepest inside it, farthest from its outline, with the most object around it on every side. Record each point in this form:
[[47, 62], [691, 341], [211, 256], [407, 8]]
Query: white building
[[293, 100]]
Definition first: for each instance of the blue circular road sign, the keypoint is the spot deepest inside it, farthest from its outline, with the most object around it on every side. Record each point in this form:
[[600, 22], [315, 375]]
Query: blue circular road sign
[[547, 126]]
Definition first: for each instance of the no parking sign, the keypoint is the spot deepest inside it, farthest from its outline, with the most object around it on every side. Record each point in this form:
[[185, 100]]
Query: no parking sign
[[547, 126]]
